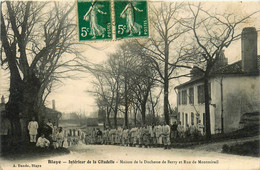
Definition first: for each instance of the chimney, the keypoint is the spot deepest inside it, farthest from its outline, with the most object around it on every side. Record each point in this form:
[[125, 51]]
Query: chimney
[[249, 50], [53, 104], [195, 73], [2, 100]]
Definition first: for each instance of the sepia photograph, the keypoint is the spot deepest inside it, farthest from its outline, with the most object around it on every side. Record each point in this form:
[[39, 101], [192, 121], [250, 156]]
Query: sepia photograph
[[129, 84]]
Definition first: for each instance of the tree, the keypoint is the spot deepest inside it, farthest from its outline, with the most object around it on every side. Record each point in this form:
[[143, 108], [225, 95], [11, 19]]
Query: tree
[[125, 80], [108, 84], [138, 77], [153, 102], [34, 42], [165, 22], [104, 89], [212, 31]]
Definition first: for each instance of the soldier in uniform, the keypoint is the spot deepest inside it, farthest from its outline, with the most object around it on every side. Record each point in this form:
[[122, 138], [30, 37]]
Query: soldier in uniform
[[146, 136], [33, 127], [152, 135], [159, 134], [134, 135], [166, 136], [180, 130], [139, 136]]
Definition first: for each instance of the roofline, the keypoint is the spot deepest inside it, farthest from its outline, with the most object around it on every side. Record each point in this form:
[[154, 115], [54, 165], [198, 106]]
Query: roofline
[[216, 75], [189, 82]]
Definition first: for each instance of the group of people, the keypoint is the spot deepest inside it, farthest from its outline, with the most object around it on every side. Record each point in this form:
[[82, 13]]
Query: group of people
[[142, 136], [160, 135], [50, 135]]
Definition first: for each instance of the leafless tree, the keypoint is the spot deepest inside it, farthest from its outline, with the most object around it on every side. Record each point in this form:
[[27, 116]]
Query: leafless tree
[[211, 31], [35, 36], [165, 21], [128, 76]]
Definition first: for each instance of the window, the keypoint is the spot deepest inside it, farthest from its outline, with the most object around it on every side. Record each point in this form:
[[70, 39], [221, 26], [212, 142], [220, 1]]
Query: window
[[184, 97], [201, 97], [197, 118], [192, 118], [186, 119], [182, 119], [191, 95], [179, 98]]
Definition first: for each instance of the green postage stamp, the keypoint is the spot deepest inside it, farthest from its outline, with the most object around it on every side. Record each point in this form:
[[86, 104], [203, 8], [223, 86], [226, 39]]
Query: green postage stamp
[[94, 20], [98, 18], [131, 18]]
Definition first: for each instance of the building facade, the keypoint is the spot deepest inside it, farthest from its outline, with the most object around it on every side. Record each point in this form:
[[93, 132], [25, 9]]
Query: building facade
[[233, 89]]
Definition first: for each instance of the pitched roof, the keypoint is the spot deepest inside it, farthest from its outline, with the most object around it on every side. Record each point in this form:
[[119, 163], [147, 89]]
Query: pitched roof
[[235, 68], [231, 69], [194, 80]]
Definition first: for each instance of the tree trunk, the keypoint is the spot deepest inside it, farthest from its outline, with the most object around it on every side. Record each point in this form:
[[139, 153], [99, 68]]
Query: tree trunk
[[166, 85], [143, 108], [30, 104], [153, 110], [207, 110], [135, 113], [108, 119], [116, 107], [115, 118], [14, 104], [126, 103], [30, 96]]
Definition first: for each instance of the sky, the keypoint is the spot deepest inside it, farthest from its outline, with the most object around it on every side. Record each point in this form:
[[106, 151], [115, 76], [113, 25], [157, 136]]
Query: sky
[[72, 94]]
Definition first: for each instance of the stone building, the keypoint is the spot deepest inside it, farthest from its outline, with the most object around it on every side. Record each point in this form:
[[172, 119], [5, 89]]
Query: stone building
[[234, 90]]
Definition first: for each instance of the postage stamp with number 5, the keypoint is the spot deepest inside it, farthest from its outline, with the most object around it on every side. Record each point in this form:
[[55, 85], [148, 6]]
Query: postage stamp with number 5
[[94, 20], [131, 18]]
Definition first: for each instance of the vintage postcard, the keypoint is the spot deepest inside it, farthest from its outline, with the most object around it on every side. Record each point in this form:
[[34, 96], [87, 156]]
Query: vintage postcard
[[129, 84]]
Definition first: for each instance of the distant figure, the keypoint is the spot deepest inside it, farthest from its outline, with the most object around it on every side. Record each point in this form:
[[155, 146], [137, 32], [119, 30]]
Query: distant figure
[[174, 131], [60, 137], [187, 131], [65, 143], [42, 142], [47, 130], [32, 127], [99, 136], [180, 130], [49, 123], [200, 127], [166, 136], [193, 130]]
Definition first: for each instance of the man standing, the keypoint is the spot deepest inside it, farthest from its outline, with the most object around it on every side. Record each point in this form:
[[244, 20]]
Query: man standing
[[173, 131], [166, 136], [160, 132], [32, 127], [156, 129], [180, 130]]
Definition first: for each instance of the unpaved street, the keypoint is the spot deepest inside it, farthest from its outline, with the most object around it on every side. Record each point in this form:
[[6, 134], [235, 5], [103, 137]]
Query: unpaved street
[[119, 157]]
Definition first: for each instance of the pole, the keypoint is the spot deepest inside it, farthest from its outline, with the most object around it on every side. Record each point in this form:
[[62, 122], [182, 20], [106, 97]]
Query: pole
[[222, 109]]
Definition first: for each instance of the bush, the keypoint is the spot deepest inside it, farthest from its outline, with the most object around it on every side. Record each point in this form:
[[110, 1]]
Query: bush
[[250, 148], [225, 148]]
